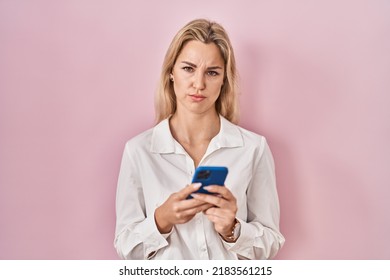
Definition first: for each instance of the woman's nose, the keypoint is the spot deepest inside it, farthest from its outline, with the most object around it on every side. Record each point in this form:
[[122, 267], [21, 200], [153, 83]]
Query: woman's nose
[[199, 81]]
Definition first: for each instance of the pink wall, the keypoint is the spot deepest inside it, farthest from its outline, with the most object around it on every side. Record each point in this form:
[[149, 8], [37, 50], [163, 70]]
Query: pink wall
[[77, 80]]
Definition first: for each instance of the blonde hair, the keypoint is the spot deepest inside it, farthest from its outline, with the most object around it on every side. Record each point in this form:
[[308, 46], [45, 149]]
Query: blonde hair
[[206, 32]]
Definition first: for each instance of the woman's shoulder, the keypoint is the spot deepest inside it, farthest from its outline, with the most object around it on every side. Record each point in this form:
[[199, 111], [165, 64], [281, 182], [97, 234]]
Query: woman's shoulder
[[251, 134], [250, 137], [140, 141], [151, 138]]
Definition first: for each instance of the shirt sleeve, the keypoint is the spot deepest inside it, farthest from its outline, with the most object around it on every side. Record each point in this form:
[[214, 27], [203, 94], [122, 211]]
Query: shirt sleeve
[[260, 237], [136, 234]]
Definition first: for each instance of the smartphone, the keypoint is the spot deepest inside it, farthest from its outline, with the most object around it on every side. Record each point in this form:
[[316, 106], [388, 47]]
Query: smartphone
[[209, 175]]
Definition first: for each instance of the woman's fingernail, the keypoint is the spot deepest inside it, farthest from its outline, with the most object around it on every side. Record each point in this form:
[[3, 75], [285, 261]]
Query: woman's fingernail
[[208, 188], [197, 185], [194, 195]]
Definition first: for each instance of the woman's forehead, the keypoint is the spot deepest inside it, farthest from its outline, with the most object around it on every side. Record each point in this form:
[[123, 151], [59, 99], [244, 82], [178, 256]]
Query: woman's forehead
[[198, 52]]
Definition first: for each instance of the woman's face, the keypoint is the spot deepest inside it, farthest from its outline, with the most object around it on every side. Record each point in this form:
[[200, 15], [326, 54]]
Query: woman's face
[[198, 76]]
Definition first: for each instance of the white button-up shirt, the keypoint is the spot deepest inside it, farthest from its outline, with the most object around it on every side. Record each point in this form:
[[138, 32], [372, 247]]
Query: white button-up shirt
[[155, 165]]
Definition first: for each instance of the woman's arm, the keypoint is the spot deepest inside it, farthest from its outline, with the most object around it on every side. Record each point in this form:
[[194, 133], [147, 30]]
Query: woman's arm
[[136, 234], [260, 237]]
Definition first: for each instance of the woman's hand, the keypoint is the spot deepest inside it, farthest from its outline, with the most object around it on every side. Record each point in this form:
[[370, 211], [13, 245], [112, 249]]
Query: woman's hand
[[223, 214], [179, 210]]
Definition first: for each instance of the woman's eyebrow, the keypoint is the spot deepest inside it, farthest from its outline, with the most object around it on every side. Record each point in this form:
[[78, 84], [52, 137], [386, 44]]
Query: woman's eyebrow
[[194, 65], [189, 63]]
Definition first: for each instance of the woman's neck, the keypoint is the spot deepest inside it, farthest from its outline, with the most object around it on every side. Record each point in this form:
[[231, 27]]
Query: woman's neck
[[194, 128]]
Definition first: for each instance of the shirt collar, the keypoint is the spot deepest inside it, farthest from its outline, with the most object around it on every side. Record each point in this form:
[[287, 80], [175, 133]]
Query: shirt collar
[[162, 139], [163, 142]]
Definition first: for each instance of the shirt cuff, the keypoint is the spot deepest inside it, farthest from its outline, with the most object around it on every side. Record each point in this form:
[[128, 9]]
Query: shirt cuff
[[166, 235], [244, 243], [155, 240]]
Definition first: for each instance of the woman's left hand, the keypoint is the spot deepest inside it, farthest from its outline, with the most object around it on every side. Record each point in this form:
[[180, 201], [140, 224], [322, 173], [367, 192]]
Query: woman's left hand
[[223, 215]]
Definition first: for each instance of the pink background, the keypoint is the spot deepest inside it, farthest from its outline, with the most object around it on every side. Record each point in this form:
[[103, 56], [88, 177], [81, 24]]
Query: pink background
[[77, 79]]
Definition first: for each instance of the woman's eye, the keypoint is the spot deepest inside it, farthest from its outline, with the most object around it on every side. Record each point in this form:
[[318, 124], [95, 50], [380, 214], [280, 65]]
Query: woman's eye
[[188, 69], [212, 73]]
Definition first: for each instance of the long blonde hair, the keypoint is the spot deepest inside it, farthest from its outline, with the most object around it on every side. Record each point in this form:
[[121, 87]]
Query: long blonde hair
[[206, 32]]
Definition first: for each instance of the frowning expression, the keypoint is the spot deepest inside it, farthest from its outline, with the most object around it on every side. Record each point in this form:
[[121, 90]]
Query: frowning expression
[[198, 76]]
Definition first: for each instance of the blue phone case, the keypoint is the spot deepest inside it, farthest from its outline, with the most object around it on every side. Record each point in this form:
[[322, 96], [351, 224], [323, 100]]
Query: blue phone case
[[209, 175]]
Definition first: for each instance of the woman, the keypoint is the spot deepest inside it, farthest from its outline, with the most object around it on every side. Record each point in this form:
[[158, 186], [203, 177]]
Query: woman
[[196, 112]]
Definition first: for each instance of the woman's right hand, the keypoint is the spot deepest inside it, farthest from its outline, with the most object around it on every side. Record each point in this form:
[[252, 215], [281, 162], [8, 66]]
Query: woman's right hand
[[177, 209]]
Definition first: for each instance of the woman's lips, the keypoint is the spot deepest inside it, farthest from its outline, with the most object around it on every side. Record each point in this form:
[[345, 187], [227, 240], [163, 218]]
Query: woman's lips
[[197, 97]]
